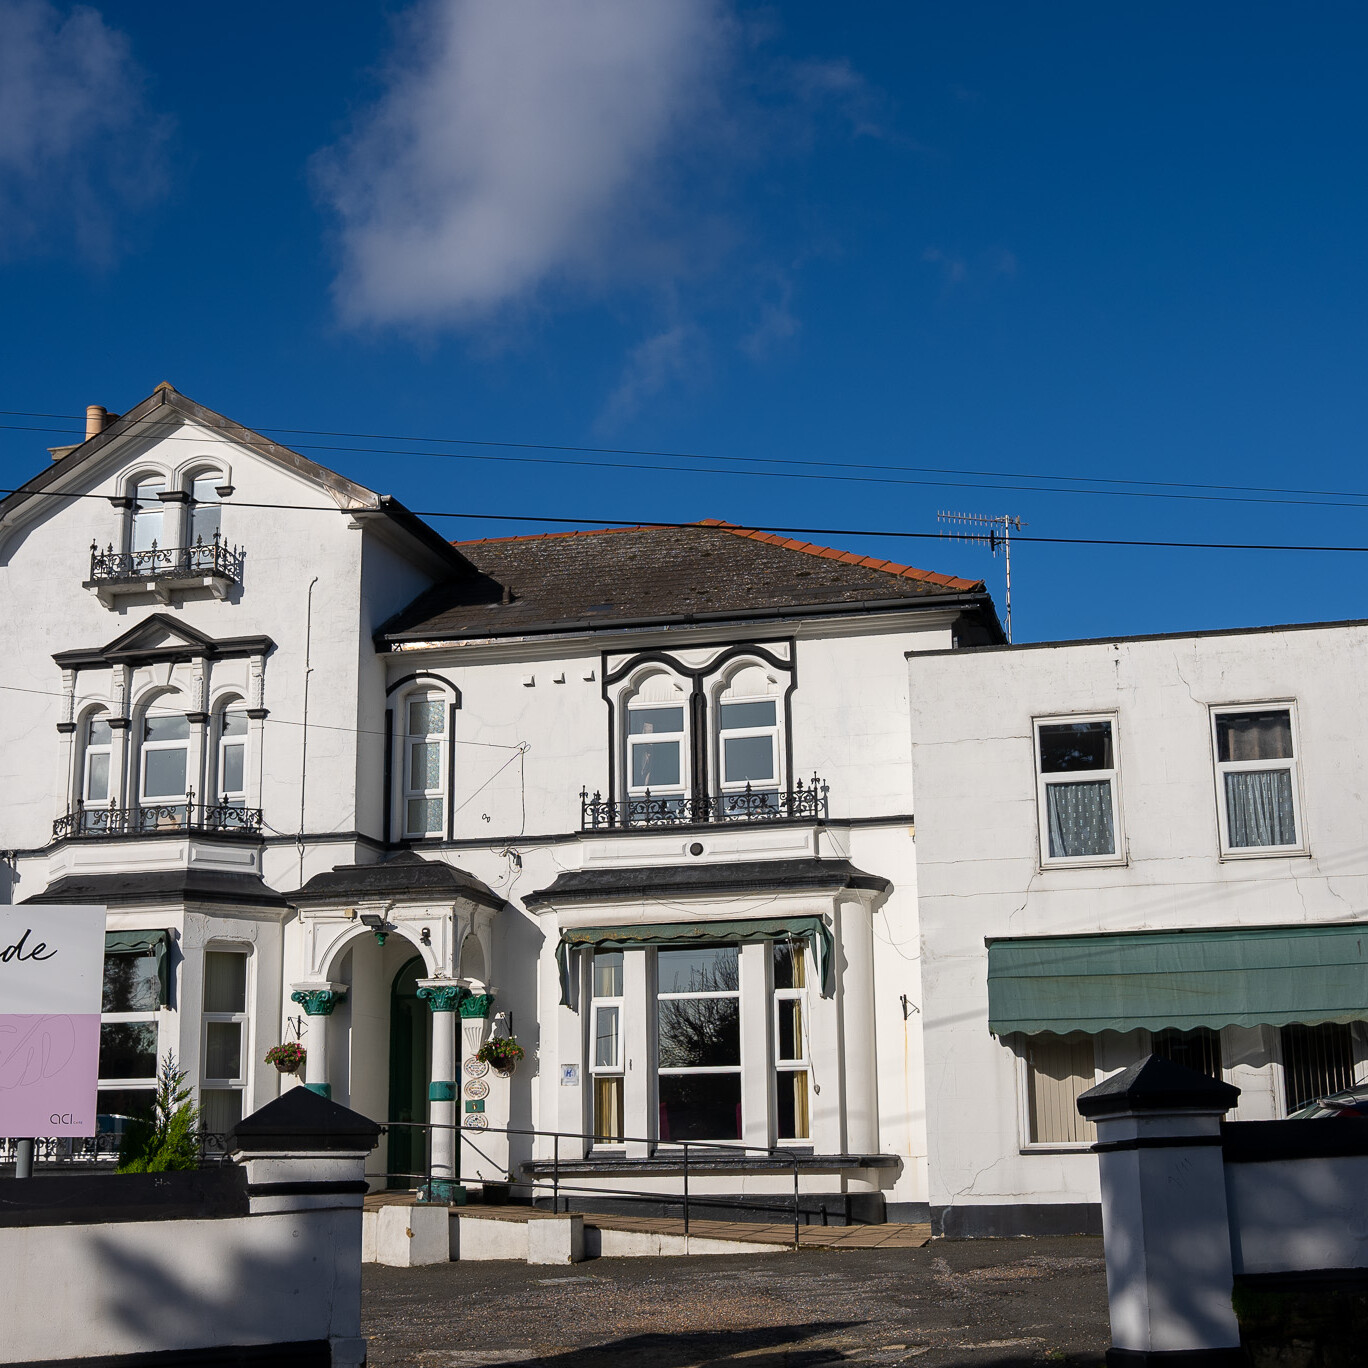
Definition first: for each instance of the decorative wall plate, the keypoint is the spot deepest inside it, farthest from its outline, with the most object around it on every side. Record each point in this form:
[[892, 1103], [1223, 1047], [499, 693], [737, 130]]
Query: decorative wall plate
[[477, 1087], [475, 1068], [476, 1122]]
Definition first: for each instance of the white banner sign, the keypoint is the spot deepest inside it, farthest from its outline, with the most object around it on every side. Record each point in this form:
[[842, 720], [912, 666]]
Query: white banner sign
[[51, 977]]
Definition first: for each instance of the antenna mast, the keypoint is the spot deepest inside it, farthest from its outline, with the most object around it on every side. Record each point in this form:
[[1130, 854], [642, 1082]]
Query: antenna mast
[[997, 535]]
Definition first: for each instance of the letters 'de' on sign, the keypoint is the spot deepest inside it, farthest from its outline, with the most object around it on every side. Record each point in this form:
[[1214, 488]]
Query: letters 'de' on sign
[[51, 977]]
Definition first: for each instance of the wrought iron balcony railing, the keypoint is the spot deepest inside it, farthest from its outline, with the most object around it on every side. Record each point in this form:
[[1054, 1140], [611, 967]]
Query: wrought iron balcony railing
[[802, 803], [151, 819], [212, 558]]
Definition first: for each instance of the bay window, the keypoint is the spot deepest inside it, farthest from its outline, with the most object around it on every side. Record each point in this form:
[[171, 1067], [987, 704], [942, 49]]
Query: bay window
[[424, 765], [698, 1018], [1256, 776], [130, 1013], [97, 776], [231, 768], [1077, 790], [223, 1071]]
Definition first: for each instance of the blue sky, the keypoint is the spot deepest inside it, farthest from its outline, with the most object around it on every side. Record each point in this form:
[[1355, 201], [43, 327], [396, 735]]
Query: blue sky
[[1106, 243]]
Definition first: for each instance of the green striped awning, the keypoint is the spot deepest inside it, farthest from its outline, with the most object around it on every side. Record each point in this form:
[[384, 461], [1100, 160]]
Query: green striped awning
[[1227, 977]]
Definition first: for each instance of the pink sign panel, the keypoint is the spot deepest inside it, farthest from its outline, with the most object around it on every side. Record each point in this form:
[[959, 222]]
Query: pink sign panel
[[51, 972]]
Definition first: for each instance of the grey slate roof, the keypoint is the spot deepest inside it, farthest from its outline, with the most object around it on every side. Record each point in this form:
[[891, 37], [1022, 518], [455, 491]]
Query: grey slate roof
[[406, 876], [580, 580]]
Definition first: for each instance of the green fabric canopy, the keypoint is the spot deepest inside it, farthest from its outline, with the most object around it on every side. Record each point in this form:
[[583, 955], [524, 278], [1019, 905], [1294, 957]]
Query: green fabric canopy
[[1233, 977], [677, 934], [156, 943]]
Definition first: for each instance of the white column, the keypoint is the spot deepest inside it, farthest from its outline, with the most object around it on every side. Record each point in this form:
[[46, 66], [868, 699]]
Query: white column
[[638, 1051], [444, 1090], [756, 1066], [318, 1001], [1165, 1226]]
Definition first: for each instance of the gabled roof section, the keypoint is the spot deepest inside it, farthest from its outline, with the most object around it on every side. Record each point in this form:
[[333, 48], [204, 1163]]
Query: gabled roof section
[[166, 404], [163, 638], [692, 572]]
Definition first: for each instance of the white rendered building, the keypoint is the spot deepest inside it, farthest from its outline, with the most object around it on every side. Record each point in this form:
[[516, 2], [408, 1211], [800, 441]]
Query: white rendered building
[[641, 799], [1130, 846]]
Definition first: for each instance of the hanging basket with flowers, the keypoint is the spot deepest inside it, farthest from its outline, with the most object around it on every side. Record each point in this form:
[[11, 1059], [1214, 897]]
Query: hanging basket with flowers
[[287, 1058], [502, 1053]]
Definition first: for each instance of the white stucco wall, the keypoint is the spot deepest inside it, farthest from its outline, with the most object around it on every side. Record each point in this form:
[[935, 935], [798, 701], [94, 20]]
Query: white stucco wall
[[979, 867]]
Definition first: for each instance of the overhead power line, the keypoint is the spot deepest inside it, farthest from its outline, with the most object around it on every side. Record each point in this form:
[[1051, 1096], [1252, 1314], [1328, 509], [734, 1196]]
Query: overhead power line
[[592, 523], [1063, 484]]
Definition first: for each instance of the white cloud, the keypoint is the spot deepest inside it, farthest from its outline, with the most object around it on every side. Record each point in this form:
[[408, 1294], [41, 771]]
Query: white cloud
[[77, 144], [674, 354], [520, 143]]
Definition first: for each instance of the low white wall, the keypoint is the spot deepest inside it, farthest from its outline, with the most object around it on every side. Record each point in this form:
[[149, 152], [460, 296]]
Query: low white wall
[[1299, 1215], [78, 1291]]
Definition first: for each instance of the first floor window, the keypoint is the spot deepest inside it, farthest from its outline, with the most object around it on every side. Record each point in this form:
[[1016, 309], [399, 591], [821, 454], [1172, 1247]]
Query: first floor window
[[1198, 1049], [165, 748], [698, 1018], [424, 755], [1317, 1061], [130, 1011], [605, 1042], [1076, 764], [223, 1072], [791, 1067], [1058, 1069], [655, 751], [232, 755], [748, 744], [1257, 776]]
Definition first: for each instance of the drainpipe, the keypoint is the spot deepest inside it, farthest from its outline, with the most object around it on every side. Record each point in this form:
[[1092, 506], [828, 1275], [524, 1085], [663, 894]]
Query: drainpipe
[[304, 728]]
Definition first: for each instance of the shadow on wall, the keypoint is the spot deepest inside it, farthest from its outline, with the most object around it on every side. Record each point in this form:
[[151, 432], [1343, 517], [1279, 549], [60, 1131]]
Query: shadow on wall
[[518, 956]]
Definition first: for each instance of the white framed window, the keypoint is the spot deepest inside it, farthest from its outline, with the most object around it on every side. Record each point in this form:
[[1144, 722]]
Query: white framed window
[[130, 1017], [698, 1036], [98, 782], [748, 753], [424, 764], [147, 520], [230, 770], [1077, 798], [792, 1065], [164, 759], [225, 1049], [206, 510], [1257, 788], [605, 1046], [1057, 1069], [657, 749]]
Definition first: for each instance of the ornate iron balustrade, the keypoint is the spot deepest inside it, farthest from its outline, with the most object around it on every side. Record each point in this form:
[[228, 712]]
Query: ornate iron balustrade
[[149, 819], [802, 803], [103, 1148], [167, 562]]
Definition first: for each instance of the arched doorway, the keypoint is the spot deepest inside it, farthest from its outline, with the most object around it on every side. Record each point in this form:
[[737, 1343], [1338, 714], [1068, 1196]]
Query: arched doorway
[[409, 1071]]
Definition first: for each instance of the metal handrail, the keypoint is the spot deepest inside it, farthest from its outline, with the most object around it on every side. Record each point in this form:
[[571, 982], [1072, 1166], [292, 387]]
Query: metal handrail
[[203, 558], [640, 1194], [800, 803], [223, 818]]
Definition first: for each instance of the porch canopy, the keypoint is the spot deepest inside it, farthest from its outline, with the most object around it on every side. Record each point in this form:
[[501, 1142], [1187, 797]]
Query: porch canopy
[[676, 934], [1237, 976]]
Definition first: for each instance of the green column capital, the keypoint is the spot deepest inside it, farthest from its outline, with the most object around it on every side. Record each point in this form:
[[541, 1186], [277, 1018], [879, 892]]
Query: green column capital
[[318, 1001], [442, 997], [477, 1004]]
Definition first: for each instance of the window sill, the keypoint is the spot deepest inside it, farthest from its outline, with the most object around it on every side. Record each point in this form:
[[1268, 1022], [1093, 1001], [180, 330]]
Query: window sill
[[1266, 853], [1085, 862]]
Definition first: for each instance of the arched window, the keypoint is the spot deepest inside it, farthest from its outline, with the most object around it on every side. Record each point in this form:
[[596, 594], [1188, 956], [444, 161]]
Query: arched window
[[205, 519], [163, 765], [147, 522], [657, 741], [230, 768], [424, 764], [97, 757], [749, 750]]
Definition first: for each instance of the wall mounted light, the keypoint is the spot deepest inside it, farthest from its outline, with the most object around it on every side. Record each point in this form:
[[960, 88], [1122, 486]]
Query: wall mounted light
[[377, 924], [426, 937]]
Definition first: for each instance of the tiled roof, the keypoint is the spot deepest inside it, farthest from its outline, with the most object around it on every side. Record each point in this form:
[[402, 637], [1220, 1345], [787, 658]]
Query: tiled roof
[[700, 571]]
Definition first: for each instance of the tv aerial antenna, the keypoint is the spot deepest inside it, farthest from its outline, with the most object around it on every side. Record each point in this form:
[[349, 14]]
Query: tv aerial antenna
[[981, 529]]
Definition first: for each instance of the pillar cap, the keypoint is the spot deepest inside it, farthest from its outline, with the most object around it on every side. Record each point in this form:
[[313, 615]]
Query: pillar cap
[[303, 1121], [1157, 1084]]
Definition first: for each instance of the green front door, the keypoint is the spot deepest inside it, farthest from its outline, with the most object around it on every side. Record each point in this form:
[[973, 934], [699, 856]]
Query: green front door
[[409, 1070]]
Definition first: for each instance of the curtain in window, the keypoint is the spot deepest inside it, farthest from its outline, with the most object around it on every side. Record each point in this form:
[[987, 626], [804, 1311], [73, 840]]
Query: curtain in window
[[1080, 818], [1259, 808]]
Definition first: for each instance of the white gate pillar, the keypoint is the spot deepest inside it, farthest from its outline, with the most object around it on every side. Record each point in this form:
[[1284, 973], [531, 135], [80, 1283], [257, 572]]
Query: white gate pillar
[[1165, 1228]]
